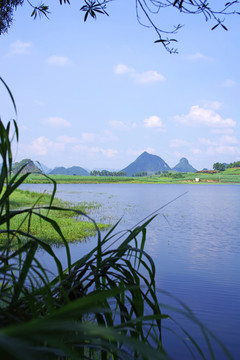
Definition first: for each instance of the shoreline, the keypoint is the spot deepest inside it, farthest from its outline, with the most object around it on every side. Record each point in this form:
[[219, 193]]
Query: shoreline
[[225, 177]]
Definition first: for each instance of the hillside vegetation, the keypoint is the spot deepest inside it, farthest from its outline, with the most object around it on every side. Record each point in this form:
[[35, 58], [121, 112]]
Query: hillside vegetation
[[29, 166]]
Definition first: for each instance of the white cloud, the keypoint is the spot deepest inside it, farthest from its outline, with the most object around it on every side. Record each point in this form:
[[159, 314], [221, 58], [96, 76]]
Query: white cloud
[[196, 151], [224, 149], [58, 60], [208, 142], [222, 131], [107, 135], [228, 139], [88, 137], [223, 145], [57, 122], [103, 136], [20, 47], [214, 105], [198, 116], [178, 143], [228, 83], [146, 77], [198, 56], [42, 146], [120, 125], [122, 69], [67, 139], [110, 153], [95, 150], [153, 122]]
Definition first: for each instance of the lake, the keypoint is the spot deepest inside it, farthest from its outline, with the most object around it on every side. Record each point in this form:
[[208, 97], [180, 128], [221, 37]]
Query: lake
[[194, 242]]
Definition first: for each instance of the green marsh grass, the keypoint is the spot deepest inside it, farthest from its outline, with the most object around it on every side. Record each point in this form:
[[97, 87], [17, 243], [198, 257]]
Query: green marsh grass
[[73, 227]]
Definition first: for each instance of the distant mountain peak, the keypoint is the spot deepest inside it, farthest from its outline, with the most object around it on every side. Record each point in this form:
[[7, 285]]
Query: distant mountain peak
[[184, 166], [146, 163], [184, 160], [27, 165], [74, 170]]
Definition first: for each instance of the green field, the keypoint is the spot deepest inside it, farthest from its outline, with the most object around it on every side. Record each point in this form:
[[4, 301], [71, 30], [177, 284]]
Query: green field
[[227, 176]]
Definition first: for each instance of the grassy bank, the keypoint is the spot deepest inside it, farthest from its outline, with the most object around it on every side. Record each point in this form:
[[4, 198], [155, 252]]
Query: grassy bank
[[228, 176], [73, 227]]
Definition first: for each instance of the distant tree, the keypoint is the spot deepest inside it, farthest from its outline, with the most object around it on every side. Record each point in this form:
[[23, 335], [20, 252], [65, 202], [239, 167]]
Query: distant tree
[[95, 173], [219, 166], [233, 165], [146, 10], [6, 13], [178, 175]]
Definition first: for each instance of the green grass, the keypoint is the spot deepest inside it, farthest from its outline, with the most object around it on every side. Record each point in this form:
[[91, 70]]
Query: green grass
[[73, 227], [227, 176], [21, 198], [73, 230]]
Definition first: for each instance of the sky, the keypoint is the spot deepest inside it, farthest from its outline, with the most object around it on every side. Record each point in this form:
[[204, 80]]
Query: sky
[[97, 94]]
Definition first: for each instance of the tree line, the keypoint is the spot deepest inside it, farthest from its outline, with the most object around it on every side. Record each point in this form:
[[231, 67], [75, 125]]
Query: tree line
[[107, 173], [221, 166], [137, 174]]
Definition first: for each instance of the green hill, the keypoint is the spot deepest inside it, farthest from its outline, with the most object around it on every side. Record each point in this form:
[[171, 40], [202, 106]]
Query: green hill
[[146, 163], [183, 166], [29, 167], [74, 170]]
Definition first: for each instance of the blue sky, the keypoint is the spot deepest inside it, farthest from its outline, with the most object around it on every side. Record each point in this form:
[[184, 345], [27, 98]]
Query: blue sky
[[98, 94]]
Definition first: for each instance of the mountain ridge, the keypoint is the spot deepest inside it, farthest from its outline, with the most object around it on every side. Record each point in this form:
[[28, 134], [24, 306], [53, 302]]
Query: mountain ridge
[[184, 166], [73, 170], [29, 166], [146, 163]]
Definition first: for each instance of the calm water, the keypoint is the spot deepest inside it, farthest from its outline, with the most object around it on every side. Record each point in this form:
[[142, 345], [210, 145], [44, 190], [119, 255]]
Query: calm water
[[194, 242]]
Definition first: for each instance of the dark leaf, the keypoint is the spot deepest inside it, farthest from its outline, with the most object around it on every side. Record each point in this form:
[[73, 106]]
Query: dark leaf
[[224, 27], [214, 27]]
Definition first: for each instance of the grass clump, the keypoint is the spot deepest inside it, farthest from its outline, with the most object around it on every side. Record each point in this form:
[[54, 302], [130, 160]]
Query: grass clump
[[74, 227]]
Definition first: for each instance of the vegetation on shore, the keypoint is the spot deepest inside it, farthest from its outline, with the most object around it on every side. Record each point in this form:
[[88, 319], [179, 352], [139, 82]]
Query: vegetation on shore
[[230, 175], [74, 228]]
